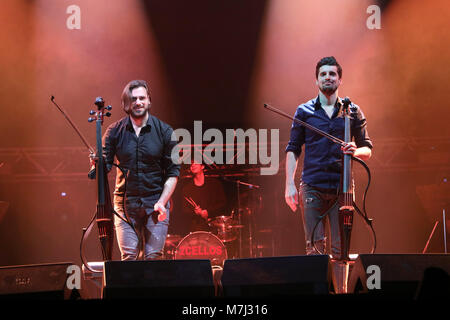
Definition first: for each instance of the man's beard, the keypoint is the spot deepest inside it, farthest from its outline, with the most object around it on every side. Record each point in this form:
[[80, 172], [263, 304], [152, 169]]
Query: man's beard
[[140, 115], [329, 90]]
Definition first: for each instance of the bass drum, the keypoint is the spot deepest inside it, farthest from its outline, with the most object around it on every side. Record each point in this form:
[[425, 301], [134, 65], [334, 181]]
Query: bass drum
[[202, 245]]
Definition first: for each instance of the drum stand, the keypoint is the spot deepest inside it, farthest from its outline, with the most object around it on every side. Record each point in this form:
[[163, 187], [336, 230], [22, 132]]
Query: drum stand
[[239, 215]]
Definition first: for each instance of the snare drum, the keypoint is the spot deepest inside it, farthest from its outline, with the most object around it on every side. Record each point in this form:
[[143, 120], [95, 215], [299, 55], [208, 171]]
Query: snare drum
[[202, 245]]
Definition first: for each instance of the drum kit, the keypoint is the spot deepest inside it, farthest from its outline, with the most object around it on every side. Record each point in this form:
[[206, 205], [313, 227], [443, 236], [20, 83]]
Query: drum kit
[[225, 227], [228, 236], [205, 245]]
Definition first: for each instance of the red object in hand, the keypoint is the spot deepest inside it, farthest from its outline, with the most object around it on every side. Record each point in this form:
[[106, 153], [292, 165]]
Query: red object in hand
[[162, 216]]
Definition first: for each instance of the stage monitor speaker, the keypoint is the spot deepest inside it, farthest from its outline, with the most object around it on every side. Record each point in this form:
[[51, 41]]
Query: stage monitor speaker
[[158, 279], [401, 275], [276, 276], [36, 281]]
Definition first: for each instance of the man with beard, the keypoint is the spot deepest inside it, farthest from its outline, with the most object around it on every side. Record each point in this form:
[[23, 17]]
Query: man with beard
[[321, 174], [142, 145]]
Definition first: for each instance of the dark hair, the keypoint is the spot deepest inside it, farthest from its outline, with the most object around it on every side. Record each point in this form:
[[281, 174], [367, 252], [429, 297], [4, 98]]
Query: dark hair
[[126, 94], [328, 61]]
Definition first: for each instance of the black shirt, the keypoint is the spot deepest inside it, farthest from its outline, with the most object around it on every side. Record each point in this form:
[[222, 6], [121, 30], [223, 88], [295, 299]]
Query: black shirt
[[146, 158], [210, 196]]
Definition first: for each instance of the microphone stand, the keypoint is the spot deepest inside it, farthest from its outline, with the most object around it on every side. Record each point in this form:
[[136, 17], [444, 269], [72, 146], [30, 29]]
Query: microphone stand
[[250, 232], [239, 216]]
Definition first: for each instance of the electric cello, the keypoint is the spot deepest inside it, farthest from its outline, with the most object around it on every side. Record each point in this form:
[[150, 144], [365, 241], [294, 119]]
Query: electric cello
[[346, 192], [105, 211]]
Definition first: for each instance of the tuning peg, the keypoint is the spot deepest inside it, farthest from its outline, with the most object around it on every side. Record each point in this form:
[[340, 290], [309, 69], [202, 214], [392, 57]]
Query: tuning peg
[[92, 119], [108, 114], [91, 112], [108, 108], [99, 102]]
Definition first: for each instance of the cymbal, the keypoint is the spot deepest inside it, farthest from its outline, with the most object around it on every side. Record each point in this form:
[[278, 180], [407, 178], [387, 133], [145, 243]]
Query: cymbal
[[220, 221], [225, 225], [221, 218]]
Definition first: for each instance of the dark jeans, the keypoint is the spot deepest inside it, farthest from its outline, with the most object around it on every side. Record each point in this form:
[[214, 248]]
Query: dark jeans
[[314, 203]]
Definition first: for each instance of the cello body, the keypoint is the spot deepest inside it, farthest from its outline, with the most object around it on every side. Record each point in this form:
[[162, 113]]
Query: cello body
[[104, 216], [346, 192]]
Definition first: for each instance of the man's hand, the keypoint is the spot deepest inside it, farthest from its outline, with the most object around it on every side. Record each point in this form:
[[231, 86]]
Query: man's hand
[[291, 196], [201, 212], [291, 193], [349, 148], [363, 153], [162, 215], [93, 159]]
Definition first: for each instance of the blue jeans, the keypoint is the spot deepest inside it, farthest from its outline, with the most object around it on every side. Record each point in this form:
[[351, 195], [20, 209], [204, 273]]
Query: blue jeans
[[315, 203], [151, 231]]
